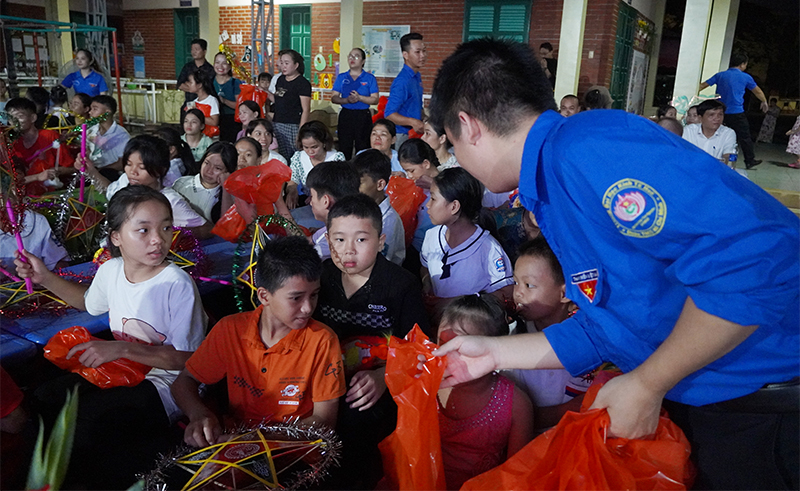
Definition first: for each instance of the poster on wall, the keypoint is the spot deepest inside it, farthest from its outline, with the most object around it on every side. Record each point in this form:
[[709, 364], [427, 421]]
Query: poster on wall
[[382, 45], [637, 82]]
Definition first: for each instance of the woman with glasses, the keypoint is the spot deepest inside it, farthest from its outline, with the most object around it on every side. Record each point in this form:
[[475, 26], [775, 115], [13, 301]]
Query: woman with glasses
[[355, 90]]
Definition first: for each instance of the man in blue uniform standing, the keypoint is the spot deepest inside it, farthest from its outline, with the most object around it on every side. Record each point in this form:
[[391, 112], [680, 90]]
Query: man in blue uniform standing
[[731, 85], [686, 275], [404, 107]]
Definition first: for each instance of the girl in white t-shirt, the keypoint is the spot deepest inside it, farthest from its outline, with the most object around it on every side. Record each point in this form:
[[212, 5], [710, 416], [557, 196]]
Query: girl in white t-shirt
[[458, 256], [315, 144], [202, 86], [204, 191], [156, 318]]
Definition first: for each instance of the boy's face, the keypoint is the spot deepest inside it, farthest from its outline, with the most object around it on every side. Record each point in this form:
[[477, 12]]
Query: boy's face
[[373, 189], [263, 83], [354, 244], [292, 304], [26, 119], [98, 109], [320, 204], [536, 292]]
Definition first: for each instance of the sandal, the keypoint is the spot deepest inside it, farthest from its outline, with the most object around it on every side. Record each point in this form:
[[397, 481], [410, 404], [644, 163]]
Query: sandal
[[795, 165]]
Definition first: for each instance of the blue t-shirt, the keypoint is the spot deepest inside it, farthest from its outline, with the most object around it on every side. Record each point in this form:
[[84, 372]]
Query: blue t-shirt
[[229, 90], [366, 84], [91, 85], [731, 85], [635, 237], [405, 96]]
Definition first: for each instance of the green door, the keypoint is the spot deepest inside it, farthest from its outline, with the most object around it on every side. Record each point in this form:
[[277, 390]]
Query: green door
[[187, 27], [79, 38], [623, 56], [296, 31]]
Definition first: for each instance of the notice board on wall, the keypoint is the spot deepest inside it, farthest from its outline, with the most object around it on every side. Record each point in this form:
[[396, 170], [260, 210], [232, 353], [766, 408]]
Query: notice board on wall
[[382, 45]]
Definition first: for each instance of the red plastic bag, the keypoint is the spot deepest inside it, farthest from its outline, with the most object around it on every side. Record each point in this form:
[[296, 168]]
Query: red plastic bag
[[230, 225], [260, 185], [118, 373], [209, 130], [249, 92], [577, 455], [406, 198], [412, 454]]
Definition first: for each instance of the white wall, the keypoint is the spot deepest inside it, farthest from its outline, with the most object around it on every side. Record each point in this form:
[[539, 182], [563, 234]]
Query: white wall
[[648, 8]]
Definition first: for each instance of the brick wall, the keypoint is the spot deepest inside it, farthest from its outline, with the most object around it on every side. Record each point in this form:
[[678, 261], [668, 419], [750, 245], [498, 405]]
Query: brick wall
[[158, 30]]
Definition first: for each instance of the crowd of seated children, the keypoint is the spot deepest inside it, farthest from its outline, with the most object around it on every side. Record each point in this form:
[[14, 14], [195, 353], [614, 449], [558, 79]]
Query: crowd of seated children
[[383, 137], [263, 132], [194, 123], [157, 319], [420, 164], [204, 190], [458, 256], [202, 85], [539, 295], [375, 171], [36, 149], [264, 348], [315, 145], [248, 111], [106, 140], [364, 298], [327, 183], [487, 420], [181, 159]]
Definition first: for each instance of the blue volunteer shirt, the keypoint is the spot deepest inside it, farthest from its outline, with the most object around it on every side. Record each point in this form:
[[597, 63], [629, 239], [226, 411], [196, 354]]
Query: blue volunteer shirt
[[405, 96], [366, 84], [91, 85], [637, 233], [731, 85]]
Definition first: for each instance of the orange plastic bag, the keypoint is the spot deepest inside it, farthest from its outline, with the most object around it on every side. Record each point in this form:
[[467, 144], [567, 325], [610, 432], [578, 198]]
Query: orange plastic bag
[[118, 373], [412, 454], [230, 225], [260, 185], [577, 455], [406, 198], [249, 92], [209, 131]]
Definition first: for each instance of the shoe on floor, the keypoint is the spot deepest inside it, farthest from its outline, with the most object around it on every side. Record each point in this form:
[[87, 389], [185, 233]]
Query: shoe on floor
[[752, 164], [795, 165]]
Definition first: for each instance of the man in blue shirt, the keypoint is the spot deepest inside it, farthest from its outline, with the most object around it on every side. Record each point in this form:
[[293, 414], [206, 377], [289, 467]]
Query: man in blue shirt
[[404, 107], [686, 275], [731, 85]]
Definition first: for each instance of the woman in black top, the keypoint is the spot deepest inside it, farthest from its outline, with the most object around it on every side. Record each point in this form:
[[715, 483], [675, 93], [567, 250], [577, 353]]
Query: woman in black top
[[292, 101]]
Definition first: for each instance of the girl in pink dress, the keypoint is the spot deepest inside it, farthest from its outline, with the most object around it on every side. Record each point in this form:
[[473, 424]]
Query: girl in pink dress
[[485, 421]]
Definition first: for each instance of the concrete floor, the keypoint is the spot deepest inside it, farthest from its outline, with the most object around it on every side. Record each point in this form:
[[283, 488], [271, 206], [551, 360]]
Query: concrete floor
[[774, 173]]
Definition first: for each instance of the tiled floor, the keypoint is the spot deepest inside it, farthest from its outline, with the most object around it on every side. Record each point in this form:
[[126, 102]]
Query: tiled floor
[[774, 172]]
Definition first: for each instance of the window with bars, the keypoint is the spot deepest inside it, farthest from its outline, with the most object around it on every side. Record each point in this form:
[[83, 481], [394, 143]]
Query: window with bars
[[506, 19]]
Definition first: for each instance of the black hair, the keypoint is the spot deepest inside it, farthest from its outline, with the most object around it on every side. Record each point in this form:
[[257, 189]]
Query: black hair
[[662, 110], [58, 95], [254, 142], [439, 132], [20, 104], [197, 113], [335, 179], [389, 125], [316, 130], [415, 150], [738, 58], [692, 107], [107, 101], [266, 123], [296, 57], [571, 96], [93, 64], [456, 183], [708, 105], [359, 206], [207, 82], [363, 55], [498, 82], [773, 99], [253, 106], [264, 76], [227, 153], [200, 42], [480, 310], [539, 247], [671, 124], [547, 46], [86, 99], [40, 96], [153, 151], [230, 68], [373, 163], [283, 258], [173, 139], [124, 203], [405, 41], [594, 100]]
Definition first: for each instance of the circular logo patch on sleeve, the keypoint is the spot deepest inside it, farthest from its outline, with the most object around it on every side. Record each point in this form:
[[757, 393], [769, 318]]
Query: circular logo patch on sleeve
[[636, 208]]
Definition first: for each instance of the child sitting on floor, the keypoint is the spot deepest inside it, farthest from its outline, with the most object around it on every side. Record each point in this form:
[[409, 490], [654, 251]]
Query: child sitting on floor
[[539, 295], [157, 319], [194, 122], [106, 140], [248, 111], [329, 182], [181, 159], [375, 170], [250, 154], [80, 105], [204, 191], [419, 163], [365, 298], [279, 363], [487, 420], [262, 131]]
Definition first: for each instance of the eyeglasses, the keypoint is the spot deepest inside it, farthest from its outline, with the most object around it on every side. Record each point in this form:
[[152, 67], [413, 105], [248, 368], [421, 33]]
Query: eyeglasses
[[355, 57]]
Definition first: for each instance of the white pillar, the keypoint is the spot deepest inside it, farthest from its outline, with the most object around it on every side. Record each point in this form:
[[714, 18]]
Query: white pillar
[[652, 69], [350, 22], [720, 39], [209, 24], [60, 43], [692, 51], [570, 47]]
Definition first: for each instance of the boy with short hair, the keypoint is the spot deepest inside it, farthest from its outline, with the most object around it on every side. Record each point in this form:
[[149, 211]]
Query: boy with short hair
[[106, 140], [375, 169], [279, 362], [35, 148], [327, 183], [365, 299]]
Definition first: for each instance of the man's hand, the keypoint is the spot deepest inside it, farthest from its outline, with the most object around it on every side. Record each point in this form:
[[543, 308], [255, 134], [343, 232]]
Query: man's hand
[[98, 352], [366, 387], [203, 431], [764, 107], [418, 126], [632, 405], [468, 358]]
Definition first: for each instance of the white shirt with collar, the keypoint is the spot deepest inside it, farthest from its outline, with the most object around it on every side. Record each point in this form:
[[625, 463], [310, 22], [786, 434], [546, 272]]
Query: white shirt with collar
[[107, 148], [394, 249], [721, 142]]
